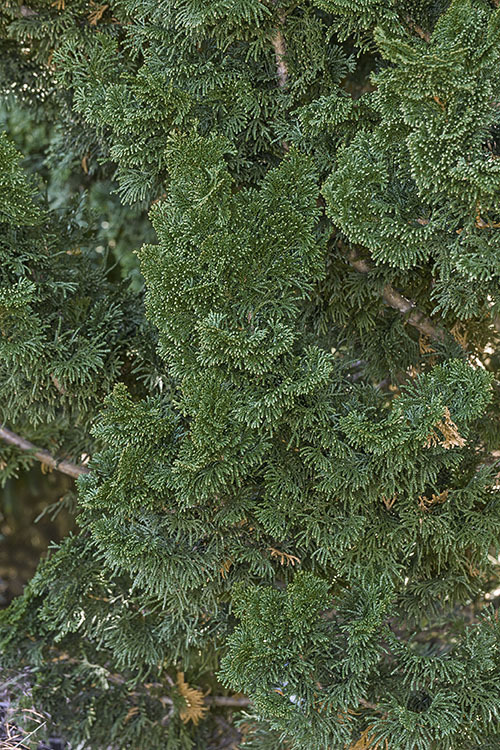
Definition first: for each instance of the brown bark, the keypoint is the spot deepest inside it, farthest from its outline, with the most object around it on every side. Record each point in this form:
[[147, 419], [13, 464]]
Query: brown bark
[[46, 458], [226, 700], [278, 43], [405, 306]]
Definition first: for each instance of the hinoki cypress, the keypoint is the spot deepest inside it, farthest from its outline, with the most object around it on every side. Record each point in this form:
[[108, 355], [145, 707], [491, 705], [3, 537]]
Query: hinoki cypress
[[286, 426]]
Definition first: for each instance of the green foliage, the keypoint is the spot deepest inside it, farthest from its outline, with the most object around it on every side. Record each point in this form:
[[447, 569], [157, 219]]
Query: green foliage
[[421, 186], [16, 192], [67, 332], [293, 491]]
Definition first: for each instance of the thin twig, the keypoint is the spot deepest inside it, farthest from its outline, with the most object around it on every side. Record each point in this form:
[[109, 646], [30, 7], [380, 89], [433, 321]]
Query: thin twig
[[368, 704], [46, 458], [226, 700], [209, 700], [27, 12], [394, 299], [23, 740], [58, 385], [215, 700]]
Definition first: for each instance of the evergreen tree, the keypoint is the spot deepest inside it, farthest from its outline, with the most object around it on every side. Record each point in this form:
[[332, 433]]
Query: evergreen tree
[[291, 504]]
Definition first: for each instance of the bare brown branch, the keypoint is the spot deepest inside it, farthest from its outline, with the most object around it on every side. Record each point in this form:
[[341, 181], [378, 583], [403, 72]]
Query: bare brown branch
[[226, 700], [278, 43], [394, 299], [46, 458]]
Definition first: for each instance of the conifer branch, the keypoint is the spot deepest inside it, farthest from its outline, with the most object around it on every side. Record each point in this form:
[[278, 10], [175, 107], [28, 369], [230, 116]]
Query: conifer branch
[[46, 458], [394, 299]]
